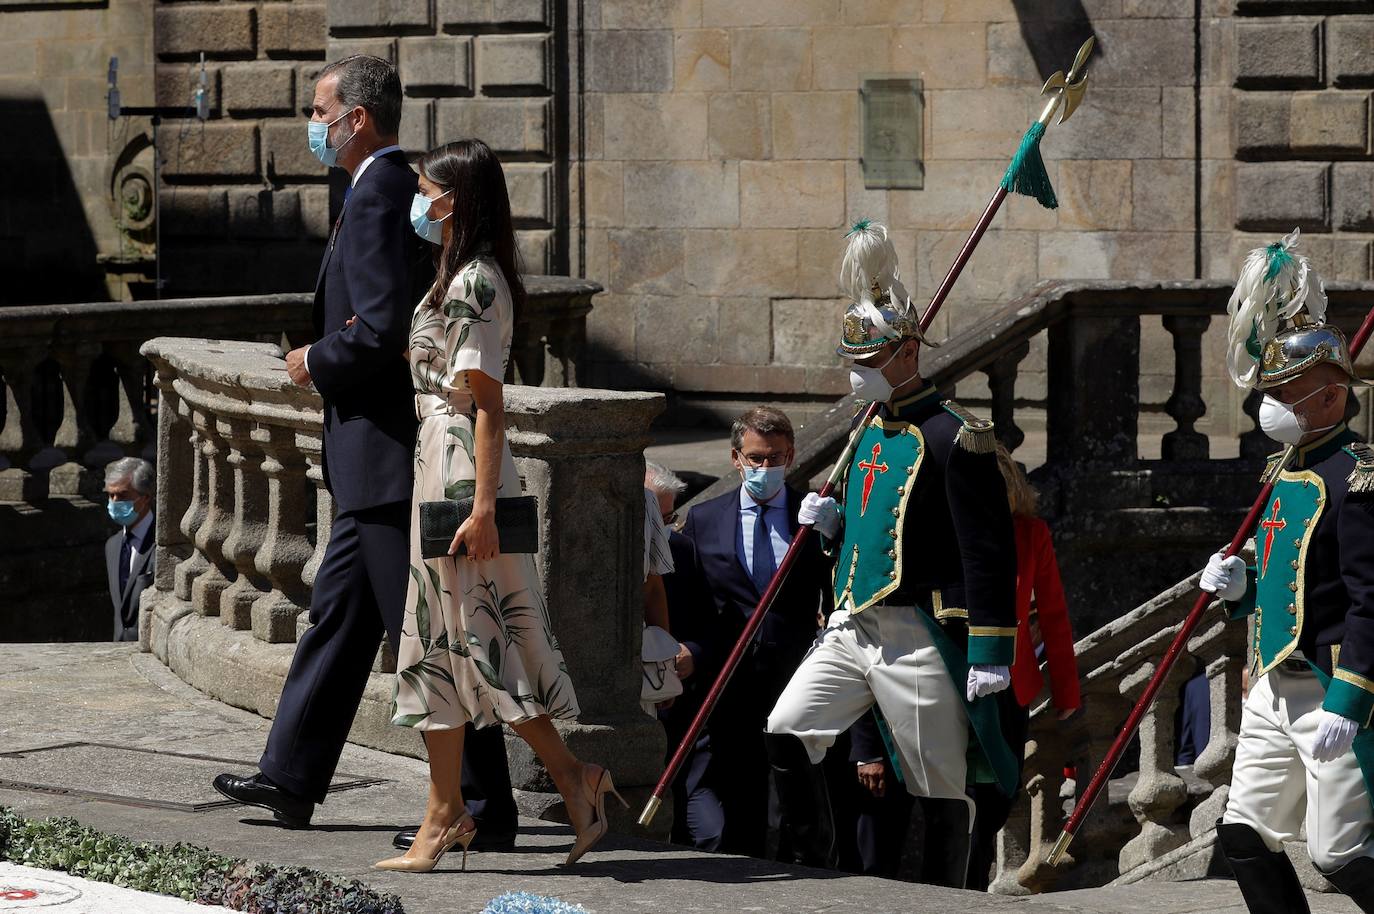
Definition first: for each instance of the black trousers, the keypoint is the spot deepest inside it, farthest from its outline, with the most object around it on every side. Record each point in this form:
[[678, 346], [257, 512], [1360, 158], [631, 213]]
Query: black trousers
[[359, 594]]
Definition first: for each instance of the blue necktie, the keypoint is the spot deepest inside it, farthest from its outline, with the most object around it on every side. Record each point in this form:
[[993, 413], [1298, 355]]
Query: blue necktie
[[348, 191], [763, 552], [126, 552]]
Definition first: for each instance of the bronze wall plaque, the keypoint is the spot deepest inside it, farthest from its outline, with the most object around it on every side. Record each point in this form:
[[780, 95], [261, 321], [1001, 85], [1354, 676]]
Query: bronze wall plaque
[[892, 109]]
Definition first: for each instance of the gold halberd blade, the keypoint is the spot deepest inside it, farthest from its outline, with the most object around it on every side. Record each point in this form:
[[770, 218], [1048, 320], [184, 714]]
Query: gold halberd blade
[[1066, 92]]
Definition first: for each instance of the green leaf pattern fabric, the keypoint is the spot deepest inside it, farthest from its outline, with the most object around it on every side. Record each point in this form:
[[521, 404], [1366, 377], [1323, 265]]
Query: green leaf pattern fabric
[[476, 644]]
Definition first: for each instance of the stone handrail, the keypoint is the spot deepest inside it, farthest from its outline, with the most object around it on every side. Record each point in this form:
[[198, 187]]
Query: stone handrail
[[77, 394], [244, 519], [1159, 812], [1089, 321]]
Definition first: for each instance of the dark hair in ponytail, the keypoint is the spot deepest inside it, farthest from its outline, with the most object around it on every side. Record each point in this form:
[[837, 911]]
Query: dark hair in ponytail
[[481, 215]]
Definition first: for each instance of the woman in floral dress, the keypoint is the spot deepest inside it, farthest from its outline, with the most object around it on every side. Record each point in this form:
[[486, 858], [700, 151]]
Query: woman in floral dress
[[476, 644]]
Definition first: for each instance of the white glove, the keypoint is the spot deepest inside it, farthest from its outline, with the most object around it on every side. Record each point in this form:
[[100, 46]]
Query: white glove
[[984, 679], [821, 513], [1335, 735], [1224, 577]]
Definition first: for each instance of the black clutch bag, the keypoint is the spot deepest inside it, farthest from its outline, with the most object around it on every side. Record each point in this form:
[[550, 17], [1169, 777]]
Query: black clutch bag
[[517, 524]]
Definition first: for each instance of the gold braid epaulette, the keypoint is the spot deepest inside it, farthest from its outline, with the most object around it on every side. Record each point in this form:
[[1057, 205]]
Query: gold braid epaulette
[[975, 434], [1271, 463], [1361, 479]]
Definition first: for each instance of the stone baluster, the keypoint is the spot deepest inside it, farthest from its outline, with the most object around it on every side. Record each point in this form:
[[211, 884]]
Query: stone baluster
[[68, 475], [1001, 374], [1185, 404], [210, 585], [1222, 647], [133, 430], [19, 438], [527, 352], [324, 511], [246, 533], [1158, 791], [197, 507], [176, 469], [286, 549], [324, 523]]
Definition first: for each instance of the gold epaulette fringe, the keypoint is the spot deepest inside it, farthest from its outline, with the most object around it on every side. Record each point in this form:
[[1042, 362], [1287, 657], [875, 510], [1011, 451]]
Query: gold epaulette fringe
[[975, 434], [1271, 464], [1361, 479]]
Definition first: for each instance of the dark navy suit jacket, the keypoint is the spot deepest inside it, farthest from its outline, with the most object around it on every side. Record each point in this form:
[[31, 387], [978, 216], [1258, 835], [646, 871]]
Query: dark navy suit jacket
[[787, 631], [369, 414]]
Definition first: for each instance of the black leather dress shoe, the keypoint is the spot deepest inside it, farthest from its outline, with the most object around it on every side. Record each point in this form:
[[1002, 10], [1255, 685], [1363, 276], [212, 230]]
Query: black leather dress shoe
[[500, 841], [289, 809]]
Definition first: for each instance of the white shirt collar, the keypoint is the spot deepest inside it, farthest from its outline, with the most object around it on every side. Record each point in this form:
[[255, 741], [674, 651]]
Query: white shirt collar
[[747, 503], [362, 166], [139, 531]]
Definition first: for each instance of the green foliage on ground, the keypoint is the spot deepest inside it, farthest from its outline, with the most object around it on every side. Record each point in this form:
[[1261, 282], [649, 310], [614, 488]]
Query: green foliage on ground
[[185, 871]]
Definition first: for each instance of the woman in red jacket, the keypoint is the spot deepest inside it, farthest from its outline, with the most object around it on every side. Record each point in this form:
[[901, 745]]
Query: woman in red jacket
[[1040, 593]]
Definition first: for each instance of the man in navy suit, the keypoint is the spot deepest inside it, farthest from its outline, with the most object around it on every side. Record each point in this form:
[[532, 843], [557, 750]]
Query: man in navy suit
[[740, 540], [130, 559], [358, 366]]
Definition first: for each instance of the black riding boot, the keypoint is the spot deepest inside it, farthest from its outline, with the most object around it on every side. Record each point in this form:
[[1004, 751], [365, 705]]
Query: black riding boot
[[806, 822], [1267, 880], [945, 851], [1356, 882]]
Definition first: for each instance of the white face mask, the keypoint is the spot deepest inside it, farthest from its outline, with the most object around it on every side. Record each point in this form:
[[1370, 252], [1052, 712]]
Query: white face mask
[[868, 382], [1281, 421]]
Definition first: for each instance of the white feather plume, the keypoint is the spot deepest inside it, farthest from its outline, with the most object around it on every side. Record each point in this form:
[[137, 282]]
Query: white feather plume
[[1275, 284], [869, 260]]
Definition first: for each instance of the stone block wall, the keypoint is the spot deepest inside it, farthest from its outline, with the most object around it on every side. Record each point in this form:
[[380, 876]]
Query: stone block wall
[[722, 144], [246, 188], [245, 206], [1303, 79], [473, 68], [56, 217]]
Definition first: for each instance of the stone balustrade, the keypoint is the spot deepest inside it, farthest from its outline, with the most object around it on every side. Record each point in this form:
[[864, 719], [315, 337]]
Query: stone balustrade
[[1157, 817], [244, 518], [77, 394]]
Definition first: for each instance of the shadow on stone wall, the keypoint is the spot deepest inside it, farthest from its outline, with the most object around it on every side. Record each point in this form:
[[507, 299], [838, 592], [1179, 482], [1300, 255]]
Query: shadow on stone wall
[[1054, 31], [46, 243]]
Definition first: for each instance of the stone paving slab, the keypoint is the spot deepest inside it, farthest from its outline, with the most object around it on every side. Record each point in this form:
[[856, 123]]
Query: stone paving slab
[[93, 770], [24, 888], [108, 693]]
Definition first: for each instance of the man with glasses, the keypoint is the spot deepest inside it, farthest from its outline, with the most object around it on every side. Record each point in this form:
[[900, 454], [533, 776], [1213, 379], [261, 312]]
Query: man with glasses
[[740, 539]]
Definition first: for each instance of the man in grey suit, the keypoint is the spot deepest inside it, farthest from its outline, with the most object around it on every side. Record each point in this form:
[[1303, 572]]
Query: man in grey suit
[[130, 559]]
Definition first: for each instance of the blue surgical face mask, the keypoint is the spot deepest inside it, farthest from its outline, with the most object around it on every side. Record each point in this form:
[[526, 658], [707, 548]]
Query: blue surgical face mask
[[762, 483], [432, 230], [122, 512], [319, 140]]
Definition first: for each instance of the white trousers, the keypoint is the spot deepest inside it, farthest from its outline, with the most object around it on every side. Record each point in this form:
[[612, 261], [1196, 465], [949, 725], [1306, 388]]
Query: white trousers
[[1275, 781], [883, 654]]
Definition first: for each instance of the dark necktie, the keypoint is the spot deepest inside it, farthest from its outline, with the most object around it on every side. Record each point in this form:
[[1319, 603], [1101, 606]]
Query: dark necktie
[[763, 551], [126, 552]]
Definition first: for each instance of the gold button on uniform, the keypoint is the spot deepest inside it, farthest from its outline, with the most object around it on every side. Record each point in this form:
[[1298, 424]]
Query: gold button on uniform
[[1293, 630], [1293, 586], [1292, 609]]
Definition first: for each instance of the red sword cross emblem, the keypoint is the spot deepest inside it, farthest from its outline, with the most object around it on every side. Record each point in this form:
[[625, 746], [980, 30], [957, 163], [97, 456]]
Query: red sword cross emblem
[[872, 466], [1271, 525]]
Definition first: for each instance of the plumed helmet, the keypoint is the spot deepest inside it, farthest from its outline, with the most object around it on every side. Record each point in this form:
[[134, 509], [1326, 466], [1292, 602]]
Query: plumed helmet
[[881, 311]]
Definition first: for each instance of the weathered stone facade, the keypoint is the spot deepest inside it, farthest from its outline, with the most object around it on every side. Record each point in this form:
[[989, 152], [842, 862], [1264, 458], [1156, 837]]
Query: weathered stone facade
[[699, 156]]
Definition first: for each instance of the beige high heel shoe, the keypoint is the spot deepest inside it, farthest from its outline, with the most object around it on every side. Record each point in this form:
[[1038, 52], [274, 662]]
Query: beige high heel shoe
[[452, 837], [598, 828]]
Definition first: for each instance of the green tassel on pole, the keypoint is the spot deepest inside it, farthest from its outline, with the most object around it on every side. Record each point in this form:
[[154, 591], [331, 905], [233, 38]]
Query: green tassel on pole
[[1026, 174]]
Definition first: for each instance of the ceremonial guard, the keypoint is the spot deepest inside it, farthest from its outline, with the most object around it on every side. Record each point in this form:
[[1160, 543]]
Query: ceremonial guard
[[924, 584], [1304, 733]]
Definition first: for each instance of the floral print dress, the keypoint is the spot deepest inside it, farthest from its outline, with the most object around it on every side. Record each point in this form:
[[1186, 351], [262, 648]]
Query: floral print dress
[[476, 643]]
